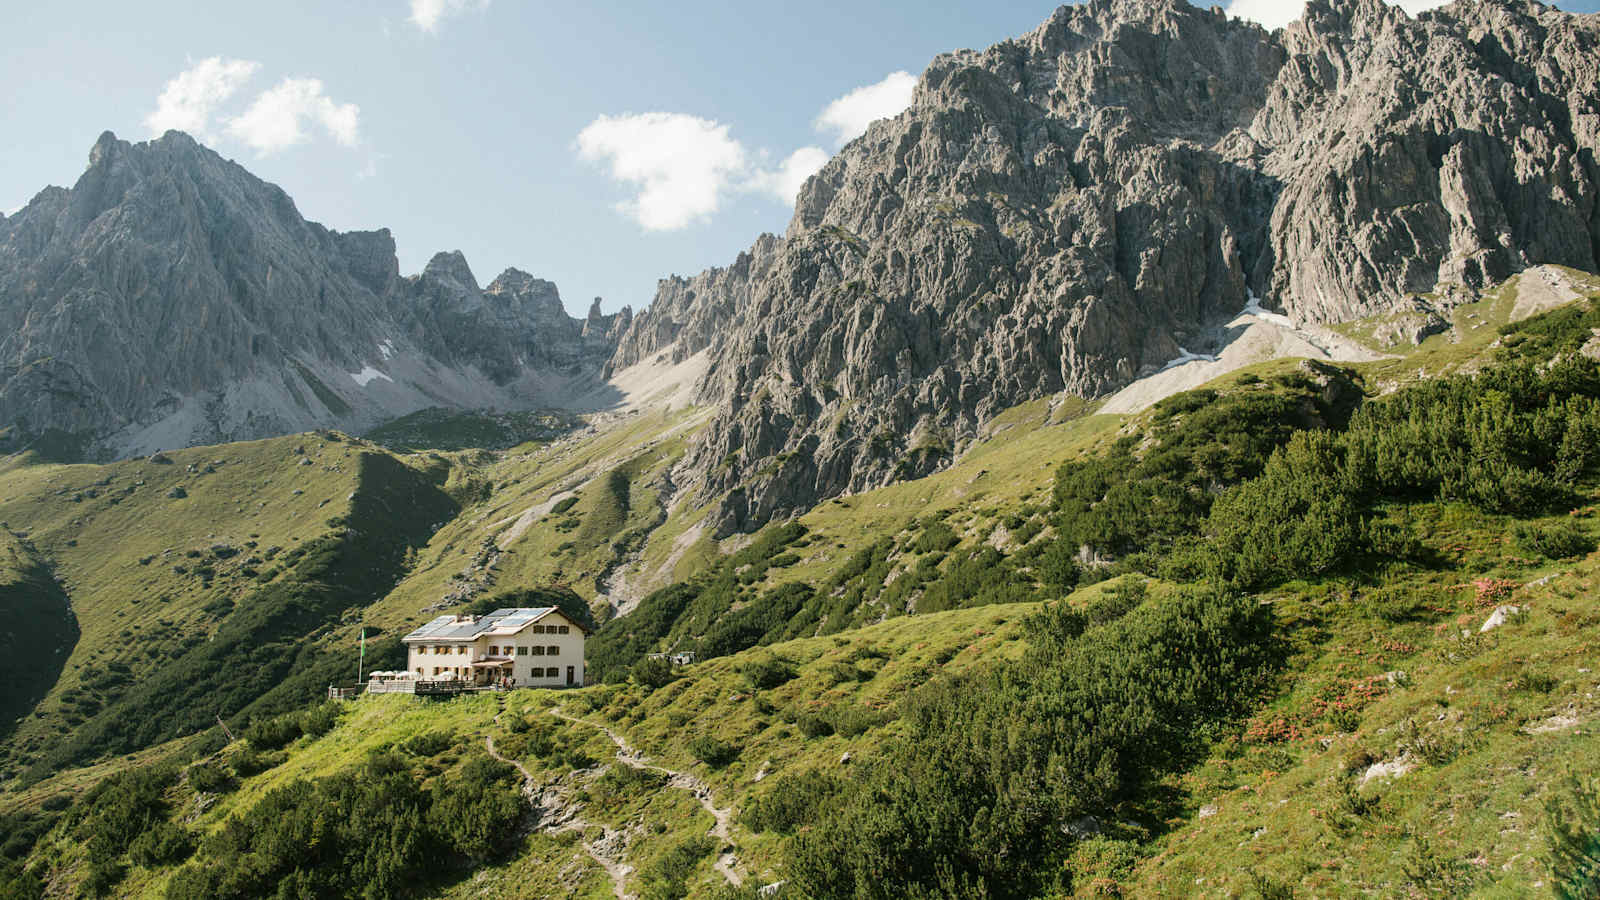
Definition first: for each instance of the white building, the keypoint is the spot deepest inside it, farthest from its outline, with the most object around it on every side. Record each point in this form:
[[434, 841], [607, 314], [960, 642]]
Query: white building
[[518, 647]]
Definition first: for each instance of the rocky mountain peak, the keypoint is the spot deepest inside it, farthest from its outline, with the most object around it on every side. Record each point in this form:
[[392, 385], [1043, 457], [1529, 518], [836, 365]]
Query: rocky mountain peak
[[450, 268], [170, 297], [1064, 211]]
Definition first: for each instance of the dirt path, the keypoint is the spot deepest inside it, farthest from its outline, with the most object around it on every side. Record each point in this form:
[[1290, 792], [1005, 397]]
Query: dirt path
[[727, 863], [554, 812]]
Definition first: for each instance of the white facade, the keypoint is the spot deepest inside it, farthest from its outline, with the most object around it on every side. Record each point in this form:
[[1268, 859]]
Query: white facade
[[531, 648]]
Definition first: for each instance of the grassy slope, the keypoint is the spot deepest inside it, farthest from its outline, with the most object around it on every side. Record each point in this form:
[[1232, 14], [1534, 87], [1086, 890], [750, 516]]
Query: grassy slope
[[37, 635], [1500, 743], [901, 654], [506, 515], [154, 576], [1487, 796], [98, 533]]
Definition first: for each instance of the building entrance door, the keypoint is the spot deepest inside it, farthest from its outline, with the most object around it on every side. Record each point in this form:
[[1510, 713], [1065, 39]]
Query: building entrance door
[[569, 676]]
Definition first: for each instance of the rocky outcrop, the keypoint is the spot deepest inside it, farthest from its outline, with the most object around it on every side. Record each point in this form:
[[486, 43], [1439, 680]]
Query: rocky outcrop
[[688, 314], [1061, 211], [172, 298], [1458, 147]]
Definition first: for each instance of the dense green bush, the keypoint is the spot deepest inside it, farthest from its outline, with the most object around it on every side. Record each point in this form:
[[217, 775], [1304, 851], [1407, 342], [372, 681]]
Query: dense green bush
[[790, 802], [110, 815], [713, 752], [163, 843], [1117, 600], [1295, 520], [936, 537], [1572, 839], [477, 811], [248, 761], [18, 883], [428, 743], [972, 800], [210, 779], [665, 877], [653, 672], [813, 725], [1562, 540], [275, 732], [373, 831], [766, 671], [1153, 489]]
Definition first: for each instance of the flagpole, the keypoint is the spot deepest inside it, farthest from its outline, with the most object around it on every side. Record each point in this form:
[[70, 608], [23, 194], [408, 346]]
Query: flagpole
[[361, 660]]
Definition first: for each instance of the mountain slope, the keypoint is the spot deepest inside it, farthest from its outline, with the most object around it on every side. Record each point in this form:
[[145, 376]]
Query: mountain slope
[[1074, 208], [1310, 713], [171, 298]]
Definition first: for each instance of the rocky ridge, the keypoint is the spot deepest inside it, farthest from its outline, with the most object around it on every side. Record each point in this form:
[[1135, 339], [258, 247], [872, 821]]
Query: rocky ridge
[[172, 298], [1063, 211]]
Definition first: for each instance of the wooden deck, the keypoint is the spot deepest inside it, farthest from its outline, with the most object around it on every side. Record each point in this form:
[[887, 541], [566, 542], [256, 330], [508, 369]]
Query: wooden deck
[[423, 688]]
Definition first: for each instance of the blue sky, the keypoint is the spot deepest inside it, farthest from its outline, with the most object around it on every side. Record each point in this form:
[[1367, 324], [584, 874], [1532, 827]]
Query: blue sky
[[601, 146]]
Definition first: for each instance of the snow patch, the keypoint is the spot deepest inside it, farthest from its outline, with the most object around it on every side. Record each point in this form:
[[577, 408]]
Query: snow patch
[[1185, 356], [366, 375], [1253, 307], [386, 349]]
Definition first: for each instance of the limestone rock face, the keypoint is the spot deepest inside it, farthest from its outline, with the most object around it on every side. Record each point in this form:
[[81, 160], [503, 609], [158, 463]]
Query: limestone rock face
[[688, 313], [171, 298], [1061, 211]]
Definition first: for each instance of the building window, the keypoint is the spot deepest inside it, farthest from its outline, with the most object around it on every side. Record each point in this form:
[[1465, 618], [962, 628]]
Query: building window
[[554, 650], [462, 649], [562, 629], [552, 672], [538, 629], [522, 651], [539, 650], [435, 670]]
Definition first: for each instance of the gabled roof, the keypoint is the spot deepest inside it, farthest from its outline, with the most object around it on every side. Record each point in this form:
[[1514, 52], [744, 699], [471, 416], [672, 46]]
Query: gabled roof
[[465, 628]]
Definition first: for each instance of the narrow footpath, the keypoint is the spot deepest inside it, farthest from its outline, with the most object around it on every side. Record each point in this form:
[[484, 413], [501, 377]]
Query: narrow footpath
[[727, 863], [554, 812]]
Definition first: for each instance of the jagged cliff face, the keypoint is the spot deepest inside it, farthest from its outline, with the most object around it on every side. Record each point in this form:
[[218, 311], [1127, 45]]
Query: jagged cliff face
[[1061, 211], [172, 298]]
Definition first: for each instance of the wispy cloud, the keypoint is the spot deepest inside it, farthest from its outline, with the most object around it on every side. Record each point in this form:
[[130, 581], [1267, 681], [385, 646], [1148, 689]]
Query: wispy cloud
[[785, 182], [1275, 14], [280, 116], [188, 101], [427, 14], [682, 165], [849, 116], [682, 168]]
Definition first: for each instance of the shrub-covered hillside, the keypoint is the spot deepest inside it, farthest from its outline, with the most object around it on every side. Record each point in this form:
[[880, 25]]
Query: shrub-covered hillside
[[1307, 631]]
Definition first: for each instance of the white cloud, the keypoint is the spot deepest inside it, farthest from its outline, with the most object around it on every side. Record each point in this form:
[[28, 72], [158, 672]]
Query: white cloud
[[13, 211], [791, 174], [849, 116], [684, 166], [1274, 14], [187, 101], [681, 164], [278, 117], [427, 14]]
